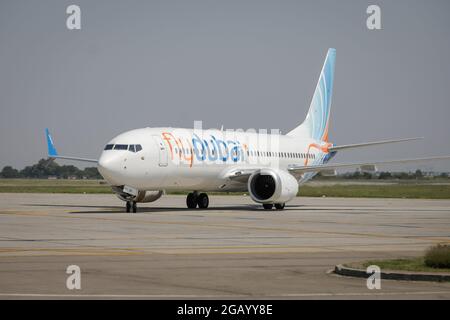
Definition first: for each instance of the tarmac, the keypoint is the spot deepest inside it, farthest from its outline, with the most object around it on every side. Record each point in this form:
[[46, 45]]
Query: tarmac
[[232, 250]]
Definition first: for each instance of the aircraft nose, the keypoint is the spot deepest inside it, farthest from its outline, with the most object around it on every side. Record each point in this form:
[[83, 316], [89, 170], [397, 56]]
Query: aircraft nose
[[109, 168]]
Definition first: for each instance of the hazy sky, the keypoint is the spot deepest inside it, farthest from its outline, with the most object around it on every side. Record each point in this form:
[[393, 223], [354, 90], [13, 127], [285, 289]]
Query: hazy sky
[[237, 63]]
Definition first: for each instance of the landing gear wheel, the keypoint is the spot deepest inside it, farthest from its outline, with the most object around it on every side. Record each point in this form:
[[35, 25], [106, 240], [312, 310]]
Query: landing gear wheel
[[128, 206], [191, 200], [203, 201], [268, 206], [134, 207], [279, 206]]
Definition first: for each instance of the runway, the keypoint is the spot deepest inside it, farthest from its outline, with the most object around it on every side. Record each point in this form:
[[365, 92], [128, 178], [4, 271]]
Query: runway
[[234, 249]]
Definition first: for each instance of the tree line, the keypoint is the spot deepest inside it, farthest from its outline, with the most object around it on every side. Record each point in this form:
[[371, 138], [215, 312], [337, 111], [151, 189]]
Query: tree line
[[46, 168]]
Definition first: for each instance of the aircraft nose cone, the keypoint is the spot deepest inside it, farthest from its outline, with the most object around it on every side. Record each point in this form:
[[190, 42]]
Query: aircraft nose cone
[[109, 168]]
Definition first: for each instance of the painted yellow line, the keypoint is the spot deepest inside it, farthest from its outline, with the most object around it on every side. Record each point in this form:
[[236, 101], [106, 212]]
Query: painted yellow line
[[7, 252]]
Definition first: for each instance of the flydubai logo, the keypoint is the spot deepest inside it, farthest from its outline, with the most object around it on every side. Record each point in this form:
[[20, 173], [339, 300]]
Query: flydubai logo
[[206, 149], [215, 146]]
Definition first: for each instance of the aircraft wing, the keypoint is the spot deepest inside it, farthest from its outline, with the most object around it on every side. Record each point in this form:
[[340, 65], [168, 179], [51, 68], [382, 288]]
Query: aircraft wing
[[53, 154], [242, 175], [298, 169]]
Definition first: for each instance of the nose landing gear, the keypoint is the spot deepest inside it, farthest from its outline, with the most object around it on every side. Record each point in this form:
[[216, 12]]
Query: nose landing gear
[[194, 199], [131, 205]]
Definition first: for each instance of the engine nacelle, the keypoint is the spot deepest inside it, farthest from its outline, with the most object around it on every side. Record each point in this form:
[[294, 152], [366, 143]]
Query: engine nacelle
[[142, 195], [148, 196], [272, 186]]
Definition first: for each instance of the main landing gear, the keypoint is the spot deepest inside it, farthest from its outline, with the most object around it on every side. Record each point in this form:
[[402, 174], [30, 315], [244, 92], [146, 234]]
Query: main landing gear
[[269, 206], [195, 199], [131, 205]]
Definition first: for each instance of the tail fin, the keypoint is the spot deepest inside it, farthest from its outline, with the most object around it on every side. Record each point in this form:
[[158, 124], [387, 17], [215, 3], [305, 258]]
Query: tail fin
[[315, 124]]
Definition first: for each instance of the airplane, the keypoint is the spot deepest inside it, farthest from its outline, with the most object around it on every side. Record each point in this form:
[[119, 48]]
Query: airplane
[[141, 164]]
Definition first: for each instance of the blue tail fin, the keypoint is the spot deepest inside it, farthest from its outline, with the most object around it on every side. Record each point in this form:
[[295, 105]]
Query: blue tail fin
[[51, 150], [316, 122]]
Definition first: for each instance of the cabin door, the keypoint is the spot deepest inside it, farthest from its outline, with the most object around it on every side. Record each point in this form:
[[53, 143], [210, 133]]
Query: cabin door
[[163, 157]]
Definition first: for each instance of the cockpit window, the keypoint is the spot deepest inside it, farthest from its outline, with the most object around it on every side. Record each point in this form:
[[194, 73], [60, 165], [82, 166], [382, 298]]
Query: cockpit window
[[131, 147], [121, 147], [109, 147], [135, 147]]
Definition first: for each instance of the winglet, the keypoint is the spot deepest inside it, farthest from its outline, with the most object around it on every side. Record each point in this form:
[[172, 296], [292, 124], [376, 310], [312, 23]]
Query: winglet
[[51, 150]]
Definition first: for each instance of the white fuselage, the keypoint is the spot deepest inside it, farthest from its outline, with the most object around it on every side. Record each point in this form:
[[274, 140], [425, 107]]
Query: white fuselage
[[189, 159]]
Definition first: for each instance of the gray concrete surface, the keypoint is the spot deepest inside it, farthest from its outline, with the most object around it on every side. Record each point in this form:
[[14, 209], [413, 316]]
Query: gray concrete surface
[[234, 249]]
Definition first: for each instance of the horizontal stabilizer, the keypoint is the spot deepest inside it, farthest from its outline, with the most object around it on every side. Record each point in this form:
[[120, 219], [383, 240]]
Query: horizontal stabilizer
[[298, 169], [369, 144]]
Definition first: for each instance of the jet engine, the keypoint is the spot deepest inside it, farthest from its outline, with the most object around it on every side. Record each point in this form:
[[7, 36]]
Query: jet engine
[[272, 186]]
